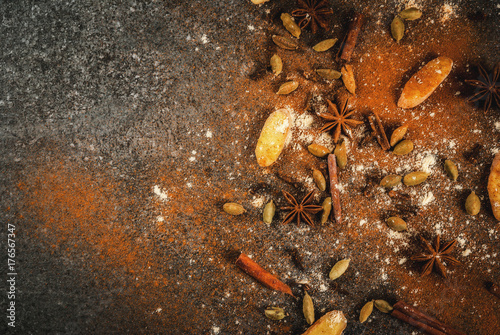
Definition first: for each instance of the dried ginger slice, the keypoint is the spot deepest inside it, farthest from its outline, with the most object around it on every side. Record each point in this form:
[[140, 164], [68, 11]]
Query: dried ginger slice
[[273, 137], [424, 82], [494, 186]]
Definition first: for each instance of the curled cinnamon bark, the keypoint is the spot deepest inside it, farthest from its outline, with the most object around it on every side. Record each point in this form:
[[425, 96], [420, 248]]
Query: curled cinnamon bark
[[415, 323], [352, 37], [378, 129], [334, 189], [264, 277], [416, 318]]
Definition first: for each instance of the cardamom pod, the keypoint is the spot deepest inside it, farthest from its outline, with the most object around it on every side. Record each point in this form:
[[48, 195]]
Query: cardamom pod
[[396, 223], [339, 268], [398, 134], [288, 87], [472, 204], [285, 42], [308, 308], [233, 208], [327, 208], [325, 45], [290, 25], [348, 78], [276, 64], [451, 169], [402, 148], [410, 14], [268, 213], [340, 153], [383, 306], [318, 150], [366, 311], [415, 178], [390, 181], [397, 28], [274, 313], [328, 74], [319, 179]]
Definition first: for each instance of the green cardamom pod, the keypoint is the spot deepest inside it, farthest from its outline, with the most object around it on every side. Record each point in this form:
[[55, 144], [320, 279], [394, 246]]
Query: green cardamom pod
[[390, 181], [328, 74], [340, 153], [325, 45], [410, 14], [396, 223], [366, 311], [397, 28], [274, 313], [451, 169], [415, 178], [233, 208], [383, 306], [318, 150], [319, 179], [327, 208], [402, 148], [269, 211], [472, 204], [339, 268], [308, 308]]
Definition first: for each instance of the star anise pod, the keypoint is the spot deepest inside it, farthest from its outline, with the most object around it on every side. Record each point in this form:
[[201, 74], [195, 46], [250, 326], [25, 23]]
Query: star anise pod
[[302, 210], [488, 89], [314, 12], [341, 120], [435, 256]]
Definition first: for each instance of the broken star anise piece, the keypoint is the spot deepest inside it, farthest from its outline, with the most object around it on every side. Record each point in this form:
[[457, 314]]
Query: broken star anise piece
[[302, 210], [314, 12], [341, 121], [488, 89], [435, 256]]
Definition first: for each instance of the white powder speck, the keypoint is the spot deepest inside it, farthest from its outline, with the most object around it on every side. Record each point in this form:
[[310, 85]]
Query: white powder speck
[[192, 159], [160, 218], [426, 199], [428, 162], [189, 185], [282, 127], [304, 121], [467, 252], [160, 193], [323, 288], [258, 202], [208, 134], [193, 152], [402, 261], [497, 126], [251, 27], [204, 39], [215, 330]]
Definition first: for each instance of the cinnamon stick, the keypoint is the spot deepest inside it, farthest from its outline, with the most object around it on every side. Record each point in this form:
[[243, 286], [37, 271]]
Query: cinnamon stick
[[415, 323], [352, 37], [334, 188], [423, 318], [379, 131], [265, 278]]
